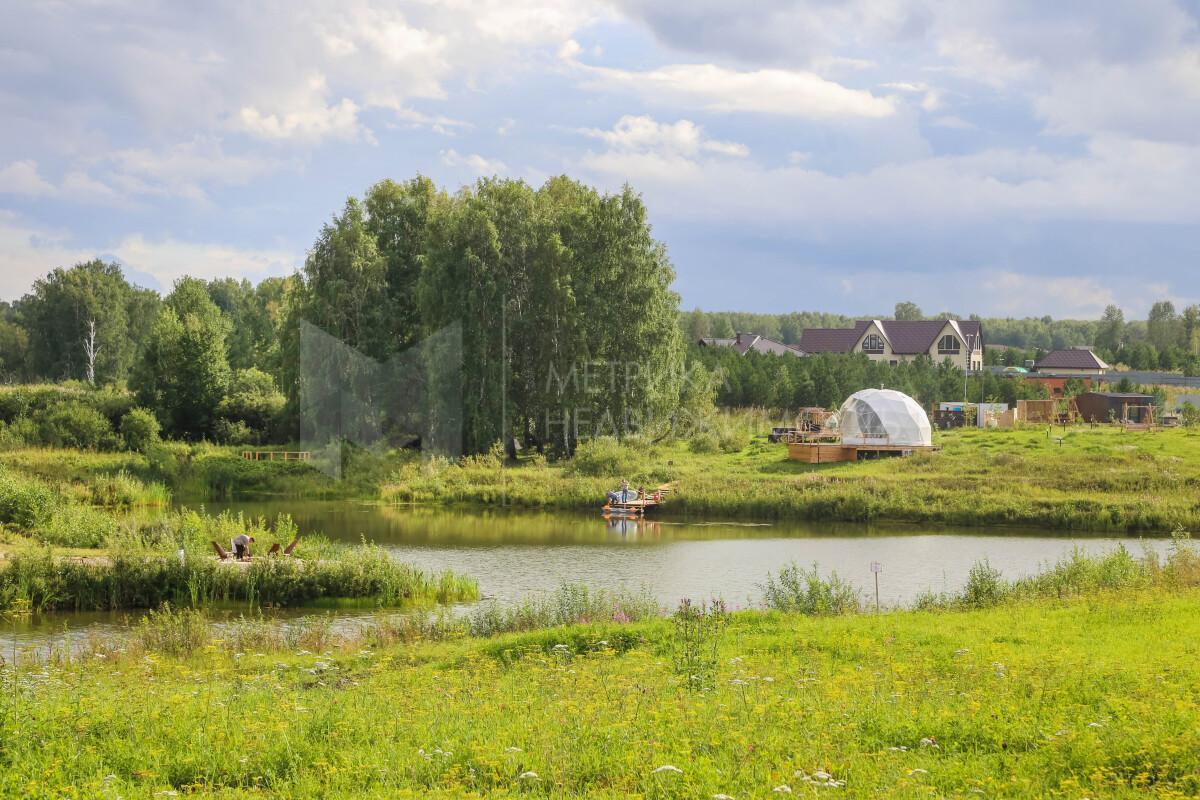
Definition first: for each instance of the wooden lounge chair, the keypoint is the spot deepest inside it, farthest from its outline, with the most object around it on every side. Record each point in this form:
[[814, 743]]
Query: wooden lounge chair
[[221, 553], [274, 551], [287, 551]]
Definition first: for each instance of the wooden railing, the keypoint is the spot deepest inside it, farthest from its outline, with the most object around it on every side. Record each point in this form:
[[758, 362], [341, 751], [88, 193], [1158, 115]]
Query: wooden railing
[[277, 455]]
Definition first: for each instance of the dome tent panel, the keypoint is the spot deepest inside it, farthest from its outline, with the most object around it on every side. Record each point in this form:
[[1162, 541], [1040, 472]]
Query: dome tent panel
[[884, 417]]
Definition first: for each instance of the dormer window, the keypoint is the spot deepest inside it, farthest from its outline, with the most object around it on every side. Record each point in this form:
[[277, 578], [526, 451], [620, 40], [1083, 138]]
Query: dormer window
[[948, 345], [873, 343]]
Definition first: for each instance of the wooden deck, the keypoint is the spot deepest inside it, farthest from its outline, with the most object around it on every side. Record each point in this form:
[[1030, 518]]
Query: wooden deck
[[638, 507], [832, 452]]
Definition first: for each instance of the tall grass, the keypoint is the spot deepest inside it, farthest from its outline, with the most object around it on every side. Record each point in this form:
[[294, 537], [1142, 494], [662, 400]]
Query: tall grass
[[43, 582], [570, 604]]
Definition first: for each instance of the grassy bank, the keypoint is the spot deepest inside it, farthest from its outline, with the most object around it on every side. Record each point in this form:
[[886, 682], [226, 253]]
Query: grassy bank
[[1092, 697], [1100, 479], [194, 471], [80, 546]]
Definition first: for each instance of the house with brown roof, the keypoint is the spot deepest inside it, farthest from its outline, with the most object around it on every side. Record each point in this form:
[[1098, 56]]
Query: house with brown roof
[[1074, 361], [747, 342], [960, 341]]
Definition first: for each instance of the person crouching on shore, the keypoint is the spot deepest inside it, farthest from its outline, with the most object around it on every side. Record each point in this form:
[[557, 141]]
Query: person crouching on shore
[[241, 547]]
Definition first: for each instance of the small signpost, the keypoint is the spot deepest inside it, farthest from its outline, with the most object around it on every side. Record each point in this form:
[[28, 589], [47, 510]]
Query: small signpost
[[876, 568]]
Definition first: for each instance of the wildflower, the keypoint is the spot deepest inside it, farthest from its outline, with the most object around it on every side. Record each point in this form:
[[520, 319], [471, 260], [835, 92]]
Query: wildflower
[[782, 788], [512, 750], [528, 776], [719, 796], [962, 651], [918, 771], [667, 768], [900, 749], [1095, 724]]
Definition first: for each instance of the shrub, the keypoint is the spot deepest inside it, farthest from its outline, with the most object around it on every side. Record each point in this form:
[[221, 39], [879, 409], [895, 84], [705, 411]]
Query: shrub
[[253, 405], [704, 442], [985, 587], [73, 424], [140, 430], [172, 632], [24, 502], [604, 456], [805, 591], [733, 441], [78, 526], [235, 432]]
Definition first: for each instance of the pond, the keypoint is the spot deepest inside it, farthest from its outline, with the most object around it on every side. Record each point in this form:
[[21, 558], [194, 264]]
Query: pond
[[516, 553]]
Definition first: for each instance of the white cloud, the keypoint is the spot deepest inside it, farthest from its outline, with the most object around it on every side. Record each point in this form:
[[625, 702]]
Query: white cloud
[[21, 177], [28, 252], [640, 147], [1018, 295], [711, 87], [644, 133], [307, 117], [78, 186], [168, 259], [473, 162]]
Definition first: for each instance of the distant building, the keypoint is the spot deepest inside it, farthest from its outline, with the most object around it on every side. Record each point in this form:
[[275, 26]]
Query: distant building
[[1075, 361], [1114, 407], [894, 341], [747, 342]]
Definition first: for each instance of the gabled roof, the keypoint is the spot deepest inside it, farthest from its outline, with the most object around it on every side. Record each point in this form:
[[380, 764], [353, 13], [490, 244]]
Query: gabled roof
[[832, 340], [906, 337], [1075, 358], [745, 342]]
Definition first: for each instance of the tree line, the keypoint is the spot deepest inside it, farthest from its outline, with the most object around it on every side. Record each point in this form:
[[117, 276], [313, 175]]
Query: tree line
[[1167, 340], [565, 319], [558, 280]]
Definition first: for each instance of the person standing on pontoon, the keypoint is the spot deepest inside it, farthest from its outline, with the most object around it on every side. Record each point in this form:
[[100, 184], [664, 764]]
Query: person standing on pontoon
[[621, 496]]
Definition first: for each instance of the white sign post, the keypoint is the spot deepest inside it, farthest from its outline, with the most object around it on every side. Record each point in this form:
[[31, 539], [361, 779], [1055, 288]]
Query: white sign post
[[876, 568]]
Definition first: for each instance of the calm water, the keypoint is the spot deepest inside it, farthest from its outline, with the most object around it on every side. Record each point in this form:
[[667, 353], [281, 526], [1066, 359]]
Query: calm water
[[518, 553]]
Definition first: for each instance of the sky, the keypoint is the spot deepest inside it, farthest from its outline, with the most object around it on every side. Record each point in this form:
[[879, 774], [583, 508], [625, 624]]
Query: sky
[[1000, 157]]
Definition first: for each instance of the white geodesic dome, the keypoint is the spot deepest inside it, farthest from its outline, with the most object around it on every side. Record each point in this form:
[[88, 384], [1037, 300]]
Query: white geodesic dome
[[884, 416]]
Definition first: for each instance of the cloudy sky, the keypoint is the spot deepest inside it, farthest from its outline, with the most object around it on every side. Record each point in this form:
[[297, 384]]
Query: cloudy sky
[[1007, 157]]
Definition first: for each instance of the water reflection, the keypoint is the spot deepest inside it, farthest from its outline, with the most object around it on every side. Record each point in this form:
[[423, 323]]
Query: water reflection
[[515, 553]]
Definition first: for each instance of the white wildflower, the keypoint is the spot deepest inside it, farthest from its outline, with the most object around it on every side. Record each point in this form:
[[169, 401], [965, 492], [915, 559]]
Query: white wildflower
[[667, 768], [782, 788], [528, 776]]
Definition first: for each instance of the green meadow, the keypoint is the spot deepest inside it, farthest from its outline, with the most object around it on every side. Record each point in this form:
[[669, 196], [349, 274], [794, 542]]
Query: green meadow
[[1080, 478], [1094, 696]]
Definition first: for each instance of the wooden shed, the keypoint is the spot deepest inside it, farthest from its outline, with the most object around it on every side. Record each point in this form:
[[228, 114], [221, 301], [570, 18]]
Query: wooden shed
[[1115, 407]]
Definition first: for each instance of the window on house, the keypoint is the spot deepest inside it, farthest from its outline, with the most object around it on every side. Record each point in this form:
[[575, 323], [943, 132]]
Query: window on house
[[948, 344], [873, 343], [894, 363]]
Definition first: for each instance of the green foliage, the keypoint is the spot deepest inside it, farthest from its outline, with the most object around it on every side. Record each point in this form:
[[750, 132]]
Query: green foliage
[[74, 425], [59, 310], [697, 629], [805, 591], [985, 588], [25, 502], [173, 632], [605, 457], [78, 526], [569, 604], [184, 373], [703, 442], [140, 430], [251, 409]]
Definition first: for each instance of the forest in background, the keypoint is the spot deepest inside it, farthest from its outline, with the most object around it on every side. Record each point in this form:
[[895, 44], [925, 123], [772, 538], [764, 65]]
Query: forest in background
[[1168, 339], [572, 276]]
